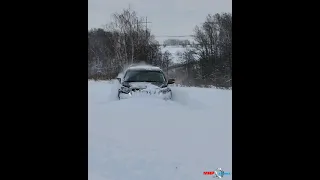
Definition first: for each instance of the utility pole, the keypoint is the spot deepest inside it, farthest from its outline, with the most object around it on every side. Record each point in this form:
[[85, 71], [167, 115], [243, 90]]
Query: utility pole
[[146, 22], [137, 25], [146, 49], [147, 39], [146, 26]]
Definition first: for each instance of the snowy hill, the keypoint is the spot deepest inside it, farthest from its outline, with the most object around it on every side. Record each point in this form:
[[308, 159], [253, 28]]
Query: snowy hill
[[151, 139], [176, 52]]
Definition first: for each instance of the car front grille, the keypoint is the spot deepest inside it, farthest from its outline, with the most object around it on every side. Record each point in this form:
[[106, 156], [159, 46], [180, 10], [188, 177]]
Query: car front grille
[[135, 89], [143, 91]]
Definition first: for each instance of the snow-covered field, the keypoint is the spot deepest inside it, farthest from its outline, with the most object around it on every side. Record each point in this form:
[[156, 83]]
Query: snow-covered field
[[152, 139], [175, 51]]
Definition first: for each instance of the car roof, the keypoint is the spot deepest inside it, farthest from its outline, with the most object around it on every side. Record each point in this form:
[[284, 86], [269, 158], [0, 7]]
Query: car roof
[[144, 67]]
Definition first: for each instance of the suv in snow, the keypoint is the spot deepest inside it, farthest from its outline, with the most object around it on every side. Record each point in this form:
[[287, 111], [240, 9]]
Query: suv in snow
[[144, 80]]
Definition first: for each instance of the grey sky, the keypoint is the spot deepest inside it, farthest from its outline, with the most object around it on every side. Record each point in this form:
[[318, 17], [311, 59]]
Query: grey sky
[[168, 17]]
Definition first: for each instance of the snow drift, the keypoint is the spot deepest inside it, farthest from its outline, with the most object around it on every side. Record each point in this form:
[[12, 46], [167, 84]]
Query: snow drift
[[147, 138]]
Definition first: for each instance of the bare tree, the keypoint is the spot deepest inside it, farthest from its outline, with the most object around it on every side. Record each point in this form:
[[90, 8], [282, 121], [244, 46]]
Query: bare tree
[[122, 42], [214, 39], [208, 60]]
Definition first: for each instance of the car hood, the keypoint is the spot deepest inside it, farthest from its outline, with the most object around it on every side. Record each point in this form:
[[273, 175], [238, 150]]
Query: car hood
[[145, 85]]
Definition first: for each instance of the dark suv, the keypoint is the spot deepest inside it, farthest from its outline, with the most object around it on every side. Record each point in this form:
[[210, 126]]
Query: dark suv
[[144, 80]]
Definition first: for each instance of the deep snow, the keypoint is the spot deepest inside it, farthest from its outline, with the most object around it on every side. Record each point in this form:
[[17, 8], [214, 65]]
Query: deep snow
[[152, 139]]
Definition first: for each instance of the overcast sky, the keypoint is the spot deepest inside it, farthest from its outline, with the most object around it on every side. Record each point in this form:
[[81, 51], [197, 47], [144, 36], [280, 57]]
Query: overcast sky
[[168, 17]]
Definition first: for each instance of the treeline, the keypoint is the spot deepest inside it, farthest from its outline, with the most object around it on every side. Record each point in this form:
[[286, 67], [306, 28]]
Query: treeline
[[124, 41], [208, 61]]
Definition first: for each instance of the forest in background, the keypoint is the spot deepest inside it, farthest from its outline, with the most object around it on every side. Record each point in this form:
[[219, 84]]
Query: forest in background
[[207, 60]]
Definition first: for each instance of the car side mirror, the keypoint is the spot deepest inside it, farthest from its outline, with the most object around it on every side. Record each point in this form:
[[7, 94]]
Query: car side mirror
[[119, 79], [171, 81]]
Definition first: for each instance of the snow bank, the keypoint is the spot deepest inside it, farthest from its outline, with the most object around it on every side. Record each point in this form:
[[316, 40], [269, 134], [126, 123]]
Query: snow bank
[[146, 138]]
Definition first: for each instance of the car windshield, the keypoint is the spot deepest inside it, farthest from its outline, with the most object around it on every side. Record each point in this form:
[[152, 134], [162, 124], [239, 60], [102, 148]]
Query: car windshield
[[144, 76]]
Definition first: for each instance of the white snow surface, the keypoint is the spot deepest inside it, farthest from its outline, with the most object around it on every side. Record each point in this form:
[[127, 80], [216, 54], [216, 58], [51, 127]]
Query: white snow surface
[[151, 139]]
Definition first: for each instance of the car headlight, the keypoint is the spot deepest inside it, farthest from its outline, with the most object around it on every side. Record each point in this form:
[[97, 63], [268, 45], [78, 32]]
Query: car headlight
[[125, 89]]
